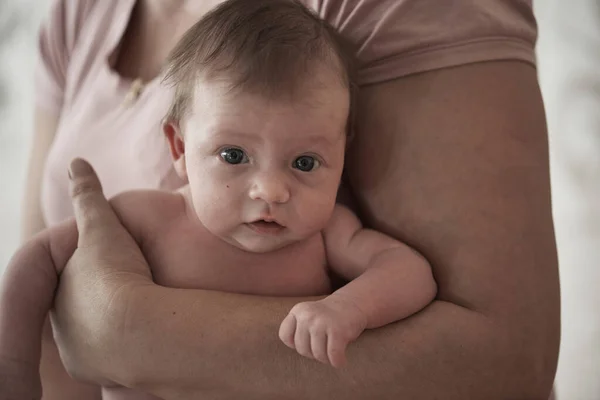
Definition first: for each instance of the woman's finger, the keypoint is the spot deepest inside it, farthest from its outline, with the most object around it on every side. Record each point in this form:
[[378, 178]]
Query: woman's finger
[[92, 210]]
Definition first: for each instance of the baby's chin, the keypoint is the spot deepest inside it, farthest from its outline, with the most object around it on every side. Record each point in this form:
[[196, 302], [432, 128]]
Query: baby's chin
[[262, 244], [263, 248]]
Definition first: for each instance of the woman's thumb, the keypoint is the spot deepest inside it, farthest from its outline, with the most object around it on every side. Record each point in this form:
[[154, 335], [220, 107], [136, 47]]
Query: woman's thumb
[[92, 210]]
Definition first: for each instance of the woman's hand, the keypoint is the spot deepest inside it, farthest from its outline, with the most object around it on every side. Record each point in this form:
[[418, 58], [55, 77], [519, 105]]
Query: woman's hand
[[91, 301]]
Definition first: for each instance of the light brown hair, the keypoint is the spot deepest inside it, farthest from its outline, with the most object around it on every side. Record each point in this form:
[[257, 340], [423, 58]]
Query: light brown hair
[[269, 47]]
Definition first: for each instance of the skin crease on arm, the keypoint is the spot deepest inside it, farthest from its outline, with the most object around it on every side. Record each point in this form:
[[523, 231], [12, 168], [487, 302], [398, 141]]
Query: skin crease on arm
[[454, 163], [388, 281], [56, 382]]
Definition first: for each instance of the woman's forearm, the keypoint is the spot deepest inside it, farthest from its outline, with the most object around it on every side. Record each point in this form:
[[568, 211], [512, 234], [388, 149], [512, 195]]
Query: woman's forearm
[[445, 351], [56, 382]]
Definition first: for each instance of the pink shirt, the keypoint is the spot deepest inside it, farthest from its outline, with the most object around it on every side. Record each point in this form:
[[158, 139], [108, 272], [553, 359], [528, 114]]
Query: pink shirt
[[395, 38]]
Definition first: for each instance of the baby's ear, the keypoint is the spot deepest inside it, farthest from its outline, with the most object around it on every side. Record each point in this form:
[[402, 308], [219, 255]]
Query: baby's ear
[[174, 136]]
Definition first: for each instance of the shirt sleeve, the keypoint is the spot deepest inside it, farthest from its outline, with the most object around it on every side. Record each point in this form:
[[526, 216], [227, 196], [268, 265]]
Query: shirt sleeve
[[57, 39], [395, 38]]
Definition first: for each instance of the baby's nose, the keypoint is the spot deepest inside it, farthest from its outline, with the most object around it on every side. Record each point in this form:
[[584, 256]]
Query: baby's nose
[[270, 188]]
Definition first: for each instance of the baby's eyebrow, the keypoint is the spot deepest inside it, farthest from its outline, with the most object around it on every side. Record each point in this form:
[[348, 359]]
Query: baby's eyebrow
[[326, 140], [320, 140], [317, 139], [220, 132]]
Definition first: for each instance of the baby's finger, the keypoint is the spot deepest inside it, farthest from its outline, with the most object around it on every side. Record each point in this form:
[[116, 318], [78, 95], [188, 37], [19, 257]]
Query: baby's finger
[[287, 330], [318, 345], [336, 351], [92, 210], [302, 341]]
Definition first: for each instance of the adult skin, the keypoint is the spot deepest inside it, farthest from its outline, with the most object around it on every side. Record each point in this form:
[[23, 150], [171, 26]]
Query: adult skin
[[453, 162]]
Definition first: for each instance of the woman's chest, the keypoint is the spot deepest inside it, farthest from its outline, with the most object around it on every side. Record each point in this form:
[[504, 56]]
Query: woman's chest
[[125, 146]]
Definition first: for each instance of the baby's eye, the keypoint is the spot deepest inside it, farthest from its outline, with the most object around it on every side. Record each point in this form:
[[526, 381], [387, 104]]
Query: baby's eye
[[234, 156], [306, 163]]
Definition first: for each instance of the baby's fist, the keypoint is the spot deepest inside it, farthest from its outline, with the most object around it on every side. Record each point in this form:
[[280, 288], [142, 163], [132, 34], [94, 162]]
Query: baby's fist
[[323, 329]]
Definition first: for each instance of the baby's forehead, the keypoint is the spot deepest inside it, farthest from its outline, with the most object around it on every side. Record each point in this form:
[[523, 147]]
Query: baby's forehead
[[320, 114], [284, 136], [315, 90], [215, 103]]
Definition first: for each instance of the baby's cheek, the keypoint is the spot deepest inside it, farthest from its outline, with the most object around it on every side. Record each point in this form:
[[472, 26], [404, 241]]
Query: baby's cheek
[[216, 215], [316, 214], [210, 197]]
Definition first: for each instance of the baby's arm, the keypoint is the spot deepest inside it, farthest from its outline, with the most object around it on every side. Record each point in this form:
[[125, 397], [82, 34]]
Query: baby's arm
[[388, 282], [26, 295]]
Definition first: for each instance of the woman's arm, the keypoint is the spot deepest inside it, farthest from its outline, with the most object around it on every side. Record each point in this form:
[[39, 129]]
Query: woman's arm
[[453, 162], [55, 381]]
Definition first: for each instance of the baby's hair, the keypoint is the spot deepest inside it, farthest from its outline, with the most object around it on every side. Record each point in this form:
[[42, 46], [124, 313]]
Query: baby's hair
[[267, 47]]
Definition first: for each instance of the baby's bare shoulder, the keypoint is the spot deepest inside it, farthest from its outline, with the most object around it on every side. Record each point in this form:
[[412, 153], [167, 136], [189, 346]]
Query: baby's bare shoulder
[[147, 212]]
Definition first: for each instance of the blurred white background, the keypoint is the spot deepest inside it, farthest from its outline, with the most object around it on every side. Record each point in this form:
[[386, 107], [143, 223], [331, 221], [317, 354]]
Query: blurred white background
[[19, 20], [569, 69]]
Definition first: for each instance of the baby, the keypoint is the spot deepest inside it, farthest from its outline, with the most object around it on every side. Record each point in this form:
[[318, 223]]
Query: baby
[[258, 127]]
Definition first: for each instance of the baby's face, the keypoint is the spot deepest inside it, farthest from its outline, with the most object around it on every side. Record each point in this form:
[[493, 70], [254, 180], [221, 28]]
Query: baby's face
[[264, 174]]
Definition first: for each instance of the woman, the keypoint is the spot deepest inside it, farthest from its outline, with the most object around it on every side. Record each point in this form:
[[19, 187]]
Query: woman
[[450, 155]]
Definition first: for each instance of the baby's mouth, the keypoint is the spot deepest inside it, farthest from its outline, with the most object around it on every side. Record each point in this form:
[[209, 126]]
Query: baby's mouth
[[266, 227]]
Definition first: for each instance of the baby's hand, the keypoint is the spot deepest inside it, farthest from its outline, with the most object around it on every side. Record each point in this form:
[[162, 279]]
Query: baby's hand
[[322, 329], [19, 381]]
